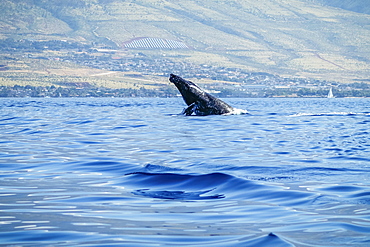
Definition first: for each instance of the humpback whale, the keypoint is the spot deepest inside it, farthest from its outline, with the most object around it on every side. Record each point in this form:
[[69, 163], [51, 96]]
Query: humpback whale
[[199, 102]]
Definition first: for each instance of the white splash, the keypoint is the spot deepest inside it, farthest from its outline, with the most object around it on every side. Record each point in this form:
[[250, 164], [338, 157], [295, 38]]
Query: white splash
[[237, 111]]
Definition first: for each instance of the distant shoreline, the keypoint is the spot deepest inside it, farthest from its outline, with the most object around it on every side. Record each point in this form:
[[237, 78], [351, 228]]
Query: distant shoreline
[[17, 91]]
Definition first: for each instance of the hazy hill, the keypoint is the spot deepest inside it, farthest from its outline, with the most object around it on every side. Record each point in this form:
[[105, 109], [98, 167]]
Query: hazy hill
[[293, 38], [360, 6]]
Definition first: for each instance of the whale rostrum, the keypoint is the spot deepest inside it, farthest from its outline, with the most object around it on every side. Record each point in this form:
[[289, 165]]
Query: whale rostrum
[[199, 102]]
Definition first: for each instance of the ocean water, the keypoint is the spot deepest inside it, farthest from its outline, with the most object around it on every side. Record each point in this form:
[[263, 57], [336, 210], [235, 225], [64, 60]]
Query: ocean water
[[132, 172]]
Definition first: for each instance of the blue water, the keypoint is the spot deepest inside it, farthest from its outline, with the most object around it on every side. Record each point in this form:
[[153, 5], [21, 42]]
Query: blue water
[[131, 172]]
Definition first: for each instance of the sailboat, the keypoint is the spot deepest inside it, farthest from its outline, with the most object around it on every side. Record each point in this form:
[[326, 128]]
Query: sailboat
[[330, 94]]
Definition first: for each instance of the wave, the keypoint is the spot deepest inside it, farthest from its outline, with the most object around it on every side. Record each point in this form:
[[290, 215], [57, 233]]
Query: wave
[[269, 240], [154, 181], [210, 186], [179, 195]]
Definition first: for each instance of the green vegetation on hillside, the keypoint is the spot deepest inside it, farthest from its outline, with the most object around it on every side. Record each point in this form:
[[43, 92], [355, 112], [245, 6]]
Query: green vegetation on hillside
[[50, 42]]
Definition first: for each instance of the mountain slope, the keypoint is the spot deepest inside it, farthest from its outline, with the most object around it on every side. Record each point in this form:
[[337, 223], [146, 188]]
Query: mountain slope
[[360, 6], [295, 38]]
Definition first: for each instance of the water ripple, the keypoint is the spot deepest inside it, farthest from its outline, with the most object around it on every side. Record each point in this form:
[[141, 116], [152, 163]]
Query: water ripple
[[133, 172]]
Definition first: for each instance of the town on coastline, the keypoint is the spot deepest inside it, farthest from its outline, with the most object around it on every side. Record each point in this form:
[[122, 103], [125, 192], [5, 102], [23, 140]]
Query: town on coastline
[[243, 83]]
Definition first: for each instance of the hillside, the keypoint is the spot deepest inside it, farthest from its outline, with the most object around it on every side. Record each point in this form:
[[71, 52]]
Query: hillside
[[360, 6], [293, 39]]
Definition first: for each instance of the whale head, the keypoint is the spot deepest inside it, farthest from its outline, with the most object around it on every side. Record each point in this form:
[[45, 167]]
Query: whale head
[[189, 91]]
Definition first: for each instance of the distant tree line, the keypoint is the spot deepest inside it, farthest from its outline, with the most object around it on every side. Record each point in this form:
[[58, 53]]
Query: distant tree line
[[58, 91], [317, 92], [53, 91]]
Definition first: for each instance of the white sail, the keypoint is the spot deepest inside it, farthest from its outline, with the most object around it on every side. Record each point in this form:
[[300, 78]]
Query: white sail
[[330, 94]]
